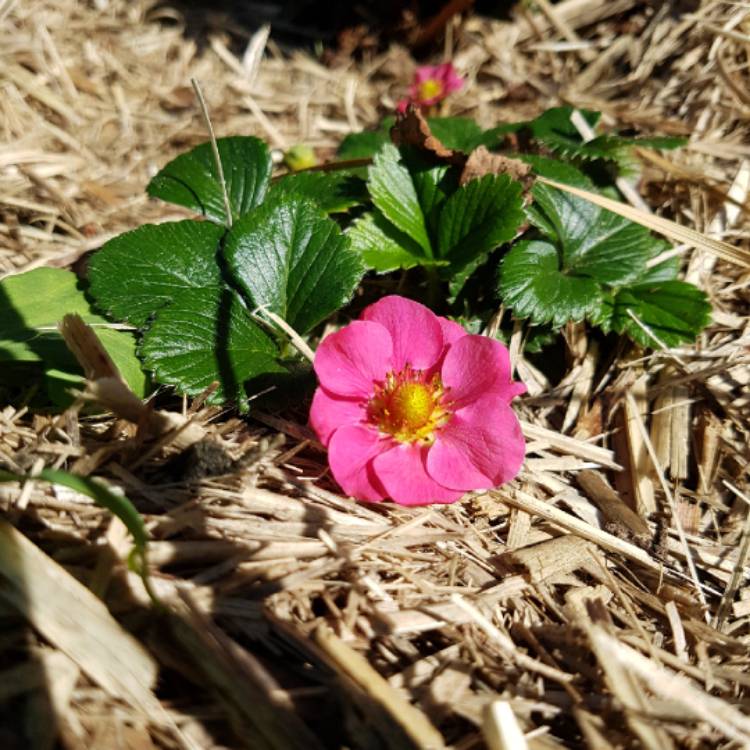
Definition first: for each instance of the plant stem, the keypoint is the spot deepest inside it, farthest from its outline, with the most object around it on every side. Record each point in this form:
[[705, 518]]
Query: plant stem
[[330, 166]]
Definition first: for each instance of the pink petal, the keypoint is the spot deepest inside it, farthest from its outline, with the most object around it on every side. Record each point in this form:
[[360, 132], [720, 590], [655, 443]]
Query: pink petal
[[350, 454], [481, 447], [451, 331], [474, 366], [329, 412], [517, 388], [426, 73], [349, 361], [402, 105], [448, 76], [415, 331], [452, 81], [403, 474]]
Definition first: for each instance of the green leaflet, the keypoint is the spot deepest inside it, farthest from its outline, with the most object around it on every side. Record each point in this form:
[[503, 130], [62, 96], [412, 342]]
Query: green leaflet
[[290, 259], [670, 312], [208, 336], [191, 180], [138, 272], [479, 217], [394, 194], [31, 306], [383, 247], [534, 285], [333, 192]]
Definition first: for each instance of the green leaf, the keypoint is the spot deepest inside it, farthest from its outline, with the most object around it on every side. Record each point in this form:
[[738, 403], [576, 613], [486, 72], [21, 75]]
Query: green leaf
[[674, 311], [479, 217], [539, 337], [560, 171], [534, 286], [332, 191], [285, 255], [135, 274], [555, 130], [208, 336], [667, 270], [394, 194], [122, 346], [463, 133], [191, 179], [594, 241], [367, 143], [31, 306], [553, 169], [433, 183], [118, 505], [459, 278], [458, 133], [382, 246]]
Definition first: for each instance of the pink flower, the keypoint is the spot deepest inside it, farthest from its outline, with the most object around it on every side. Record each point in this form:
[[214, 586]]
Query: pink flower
[[413, 408], [432, 83]]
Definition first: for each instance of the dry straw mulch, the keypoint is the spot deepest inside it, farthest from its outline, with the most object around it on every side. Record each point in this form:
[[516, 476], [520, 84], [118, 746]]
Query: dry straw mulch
[[598, 601]]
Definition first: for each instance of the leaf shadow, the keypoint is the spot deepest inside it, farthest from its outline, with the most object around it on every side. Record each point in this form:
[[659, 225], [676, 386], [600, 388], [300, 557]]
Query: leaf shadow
[[227, 377], [165, 179], [20, 377]]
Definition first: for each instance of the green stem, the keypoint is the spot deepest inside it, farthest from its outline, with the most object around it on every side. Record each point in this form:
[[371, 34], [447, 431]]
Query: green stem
[[331, 166]]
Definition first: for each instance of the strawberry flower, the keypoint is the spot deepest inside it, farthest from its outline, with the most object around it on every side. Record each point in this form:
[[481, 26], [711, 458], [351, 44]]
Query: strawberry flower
[[432, 83], [412, 407]]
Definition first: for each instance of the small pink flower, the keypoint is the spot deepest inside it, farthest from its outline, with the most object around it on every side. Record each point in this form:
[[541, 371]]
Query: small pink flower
[[432, 83], [413, 408]]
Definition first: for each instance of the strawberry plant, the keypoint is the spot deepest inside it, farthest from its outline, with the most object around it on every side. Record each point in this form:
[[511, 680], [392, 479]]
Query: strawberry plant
[[206, 302]]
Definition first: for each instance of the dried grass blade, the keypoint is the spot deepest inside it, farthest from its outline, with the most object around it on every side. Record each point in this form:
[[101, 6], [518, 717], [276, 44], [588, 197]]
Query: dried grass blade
[[356, 668], [661, 225], [606, 541], [716, 712], [500, 728], [625, 687], [57, 605]]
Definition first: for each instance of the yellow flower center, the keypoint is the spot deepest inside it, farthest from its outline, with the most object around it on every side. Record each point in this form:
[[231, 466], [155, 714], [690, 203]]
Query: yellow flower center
[[408, 408], [430, 89], [411, 405]]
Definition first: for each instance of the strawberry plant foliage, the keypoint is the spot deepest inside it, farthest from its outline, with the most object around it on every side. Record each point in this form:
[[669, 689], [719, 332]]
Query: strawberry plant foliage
[[31, 306], [423, 216], [288, 258], [192, 286], [555, 131], [141, 271], [206, 334], [333, 192], [536, 287], [383, 247], [590, 263], [471, 226], [192, 179]]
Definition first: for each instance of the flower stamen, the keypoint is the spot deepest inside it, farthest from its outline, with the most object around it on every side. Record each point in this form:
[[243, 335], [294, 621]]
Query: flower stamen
[[408, 407], [430, 89]]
